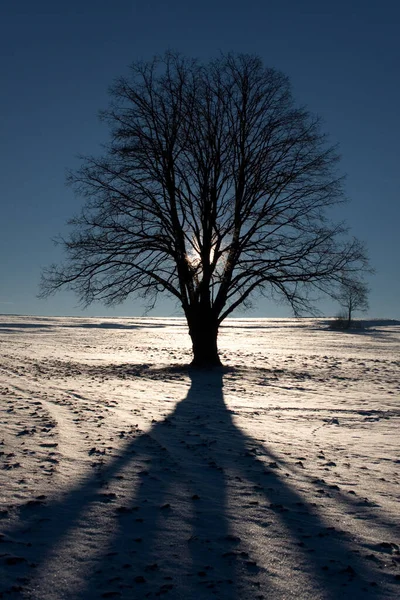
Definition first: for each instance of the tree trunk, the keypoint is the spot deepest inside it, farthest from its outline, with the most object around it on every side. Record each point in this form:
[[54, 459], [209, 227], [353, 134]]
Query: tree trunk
[[204, 333], [349, 309]]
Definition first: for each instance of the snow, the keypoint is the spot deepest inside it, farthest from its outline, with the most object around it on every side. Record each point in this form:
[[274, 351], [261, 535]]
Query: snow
[[124, 474]]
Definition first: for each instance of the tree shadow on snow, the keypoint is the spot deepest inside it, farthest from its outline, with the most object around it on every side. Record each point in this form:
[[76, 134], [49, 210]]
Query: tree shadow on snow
[[207, 517]]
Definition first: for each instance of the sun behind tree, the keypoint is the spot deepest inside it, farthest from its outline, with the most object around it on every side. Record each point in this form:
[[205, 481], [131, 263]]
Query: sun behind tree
[[214, 187]]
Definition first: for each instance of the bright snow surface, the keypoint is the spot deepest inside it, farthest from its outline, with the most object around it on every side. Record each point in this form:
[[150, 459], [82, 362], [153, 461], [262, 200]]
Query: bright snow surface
[[124, 474]]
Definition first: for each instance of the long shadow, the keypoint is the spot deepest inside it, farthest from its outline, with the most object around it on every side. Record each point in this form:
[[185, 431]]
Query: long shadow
[[203, 518], [364, 508], [363, 328]]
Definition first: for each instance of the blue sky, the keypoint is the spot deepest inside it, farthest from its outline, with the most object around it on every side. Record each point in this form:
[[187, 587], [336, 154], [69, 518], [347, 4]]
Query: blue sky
[[58, 59]]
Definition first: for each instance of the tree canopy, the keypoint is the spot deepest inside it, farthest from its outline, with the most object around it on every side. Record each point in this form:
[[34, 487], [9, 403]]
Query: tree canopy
[[352, 296], [213, 187]]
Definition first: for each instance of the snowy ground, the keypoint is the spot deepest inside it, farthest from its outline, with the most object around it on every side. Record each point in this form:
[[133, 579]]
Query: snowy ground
[[123, 475]]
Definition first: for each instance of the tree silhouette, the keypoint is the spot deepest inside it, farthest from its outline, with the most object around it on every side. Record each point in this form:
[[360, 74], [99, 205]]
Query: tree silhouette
[[352, 296], [214, 187]]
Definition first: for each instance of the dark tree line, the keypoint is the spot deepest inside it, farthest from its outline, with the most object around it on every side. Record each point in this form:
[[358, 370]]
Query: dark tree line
[[214, 187]]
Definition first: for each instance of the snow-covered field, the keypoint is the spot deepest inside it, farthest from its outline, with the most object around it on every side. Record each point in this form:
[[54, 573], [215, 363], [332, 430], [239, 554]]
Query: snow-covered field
[[124, 475]]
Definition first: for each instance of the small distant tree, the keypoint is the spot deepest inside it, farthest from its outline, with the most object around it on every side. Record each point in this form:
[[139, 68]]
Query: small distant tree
[[352, 297], [214, 187]]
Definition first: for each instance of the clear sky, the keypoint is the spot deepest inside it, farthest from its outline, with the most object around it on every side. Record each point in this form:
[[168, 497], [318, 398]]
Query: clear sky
[[58, 59]]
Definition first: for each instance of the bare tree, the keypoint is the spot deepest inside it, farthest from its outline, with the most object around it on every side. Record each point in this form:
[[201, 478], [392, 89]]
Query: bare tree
[[352, 296], [214, 186]]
